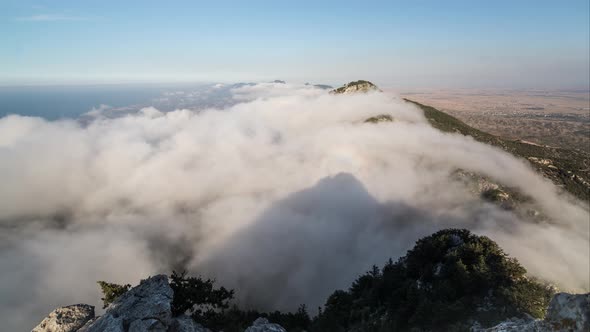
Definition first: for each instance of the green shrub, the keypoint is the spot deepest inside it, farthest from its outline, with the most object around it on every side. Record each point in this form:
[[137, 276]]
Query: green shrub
[[446, 280], [198, 297], [111, 292]]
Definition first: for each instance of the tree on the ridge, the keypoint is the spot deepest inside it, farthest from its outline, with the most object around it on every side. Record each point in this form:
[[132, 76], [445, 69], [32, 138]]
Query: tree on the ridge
[[198, 297], [111, 292]]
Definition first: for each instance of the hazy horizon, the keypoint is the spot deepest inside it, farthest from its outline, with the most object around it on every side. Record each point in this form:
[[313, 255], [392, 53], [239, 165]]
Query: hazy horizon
[[461, 44]]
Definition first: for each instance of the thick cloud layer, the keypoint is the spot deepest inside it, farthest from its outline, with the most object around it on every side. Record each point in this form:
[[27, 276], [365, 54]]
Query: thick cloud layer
[[286, 195]]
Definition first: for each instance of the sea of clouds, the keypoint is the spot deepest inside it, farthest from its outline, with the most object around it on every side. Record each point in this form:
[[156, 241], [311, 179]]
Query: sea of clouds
[[285, 195]]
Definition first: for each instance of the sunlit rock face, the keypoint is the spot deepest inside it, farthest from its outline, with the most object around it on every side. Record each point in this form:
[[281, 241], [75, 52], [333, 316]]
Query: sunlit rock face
[[66, 319], [359, 86]]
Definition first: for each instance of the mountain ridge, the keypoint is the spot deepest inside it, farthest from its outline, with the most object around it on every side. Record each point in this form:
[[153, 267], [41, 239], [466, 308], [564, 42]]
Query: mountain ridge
[[568, 169]]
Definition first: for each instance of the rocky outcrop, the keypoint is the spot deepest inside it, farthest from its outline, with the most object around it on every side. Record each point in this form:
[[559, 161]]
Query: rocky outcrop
[[263, 325], [66, 319], [569, 312], [566, 313], [356, 87], [146, 307]]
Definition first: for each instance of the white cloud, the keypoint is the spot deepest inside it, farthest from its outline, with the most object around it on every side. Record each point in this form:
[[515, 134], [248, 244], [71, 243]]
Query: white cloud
[[289, 185], [52, 18]]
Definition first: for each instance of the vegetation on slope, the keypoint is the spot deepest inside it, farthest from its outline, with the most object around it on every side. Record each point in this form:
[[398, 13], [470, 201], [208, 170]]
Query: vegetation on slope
[[198, 298], [447, 281], [569, 169]]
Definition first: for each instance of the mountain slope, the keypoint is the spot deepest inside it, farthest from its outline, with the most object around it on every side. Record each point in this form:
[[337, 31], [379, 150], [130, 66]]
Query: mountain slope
[[569, 169]]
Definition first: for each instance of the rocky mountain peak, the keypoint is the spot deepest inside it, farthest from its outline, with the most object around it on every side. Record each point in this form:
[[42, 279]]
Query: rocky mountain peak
[[359, 86]]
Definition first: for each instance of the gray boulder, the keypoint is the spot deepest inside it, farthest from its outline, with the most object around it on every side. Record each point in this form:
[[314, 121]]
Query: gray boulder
[[146, 307], [66, 319], [263, 325], [566, 313], [106, 323], [87, 325], [569, 312]]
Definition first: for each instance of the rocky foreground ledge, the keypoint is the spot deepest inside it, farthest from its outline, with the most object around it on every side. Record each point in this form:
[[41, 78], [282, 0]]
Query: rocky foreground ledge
[[566, 312], [148, 307]]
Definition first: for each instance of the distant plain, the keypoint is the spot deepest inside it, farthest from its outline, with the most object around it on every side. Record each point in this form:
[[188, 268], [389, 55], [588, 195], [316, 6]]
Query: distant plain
[[555, 118]]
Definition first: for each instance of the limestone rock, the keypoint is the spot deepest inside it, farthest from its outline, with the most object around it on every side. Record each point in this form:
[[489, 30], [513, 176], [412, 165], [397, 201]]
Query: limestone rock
[[263, 325], [106, 323], [146, 305], [569, 312], [149, 324], [66, 319], [87, 325]]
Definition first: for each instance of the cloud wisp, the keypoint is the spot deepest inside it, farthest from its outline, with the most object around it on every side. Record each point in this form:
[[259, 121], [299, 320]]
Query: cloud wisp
[[286, 195], [52, 18]]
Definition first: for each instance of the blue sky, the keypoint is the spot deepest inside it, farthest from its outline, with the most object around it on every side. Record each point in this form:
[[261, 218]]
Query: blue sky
[[507, 44]]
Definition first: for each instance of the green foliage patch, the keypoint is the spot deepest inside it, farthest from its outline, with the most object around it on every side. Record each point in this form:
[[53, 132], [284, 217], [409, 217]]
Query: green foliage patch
[[111, 292], [446, 281], [198, 297]]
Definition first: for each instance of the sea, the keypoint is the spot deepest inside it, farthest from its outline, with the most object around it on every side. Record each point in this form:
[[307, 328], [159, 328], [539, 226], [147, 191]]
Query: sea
[[67, 102]]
